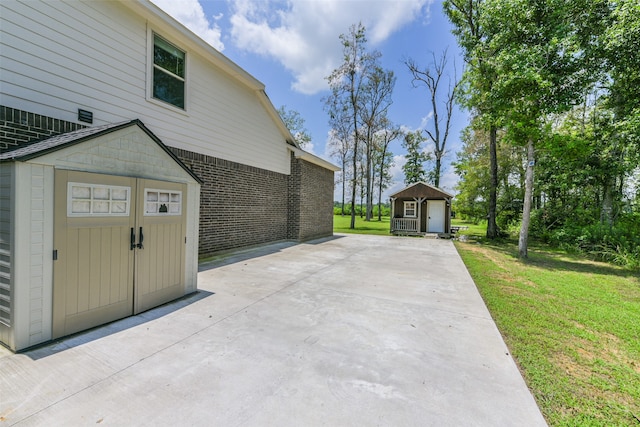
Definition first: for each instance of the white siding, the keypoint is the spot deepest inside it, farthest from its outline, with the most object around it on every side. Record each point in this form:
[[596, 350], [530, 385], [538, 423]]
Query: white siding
[[61, 56], [33, 246], [6, 213]]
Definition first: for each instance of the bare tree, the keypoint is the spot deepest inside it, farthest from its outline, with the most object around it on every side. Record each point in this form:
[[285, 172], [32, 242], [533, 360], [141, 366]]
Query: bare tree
[[376, 100], [432, 78], [340, 142], [346, 83], [383, 159]]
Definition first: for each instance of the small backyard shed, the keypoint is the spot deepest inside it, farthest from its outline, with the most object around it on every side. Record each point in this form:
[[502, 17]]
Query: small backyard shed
[[95, 225], [420, 209]]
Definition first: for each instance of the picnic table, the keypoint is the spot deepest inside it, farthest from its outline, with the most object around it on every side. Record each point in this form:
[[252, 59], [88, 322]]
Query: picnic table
[[456, 228]]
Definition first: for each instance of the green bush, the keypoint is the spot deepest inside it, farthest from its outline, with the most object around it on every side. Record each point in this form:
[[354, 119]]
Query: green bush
[[337, 210], [619, 244]]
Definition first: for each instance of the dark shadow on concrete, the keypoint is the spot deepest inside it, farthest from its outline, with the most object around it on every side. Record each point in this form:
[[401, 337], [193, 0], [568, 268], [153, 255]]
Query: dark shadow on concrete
[[61, 344], [245, 254], [322, 240]]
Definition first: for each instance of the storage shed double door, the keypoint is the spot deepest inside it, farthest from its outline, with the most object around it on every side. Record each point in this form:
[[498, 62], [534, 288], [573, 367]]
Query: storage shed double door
[[119, 247]]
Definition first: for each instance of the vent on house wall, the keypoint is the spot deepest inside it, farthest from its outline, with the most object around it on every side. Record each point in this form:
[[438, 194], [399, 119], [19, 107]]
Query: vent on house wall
[[85, 116]]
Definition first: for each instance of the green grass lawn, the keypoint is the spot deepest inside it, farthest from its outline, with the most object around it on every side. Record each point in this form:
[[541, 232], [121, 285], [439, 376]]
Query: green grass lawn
[[572, 325], [341, 225]]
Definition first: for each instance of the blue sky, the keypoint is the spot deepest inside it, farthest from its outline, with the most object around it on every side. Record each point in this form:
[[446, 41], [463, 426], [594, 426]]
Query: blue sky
[[291, 46]]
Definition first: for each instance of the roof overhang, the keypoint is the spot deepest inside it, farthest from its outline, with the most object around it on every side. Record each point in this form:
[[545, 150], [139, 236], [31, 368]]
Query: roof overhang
[[311, 158]]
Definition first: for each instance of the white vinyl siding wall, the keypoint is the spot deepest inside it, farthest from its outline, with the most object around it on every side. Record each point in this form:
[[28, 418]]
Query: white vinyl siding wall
[[6, 212], [33, 254], [94, 55]]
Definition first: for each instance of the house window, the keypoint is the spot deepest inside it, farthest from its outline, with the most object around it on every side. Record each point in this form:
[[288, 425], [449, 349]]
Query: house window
[[97, 200], [410, 209], [168, 72]]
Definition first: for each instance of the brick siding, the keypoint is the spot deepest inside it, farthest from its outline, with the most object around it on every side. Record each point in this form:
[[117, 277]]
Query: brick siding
[[240, 205], [18, 128], [310, 201]]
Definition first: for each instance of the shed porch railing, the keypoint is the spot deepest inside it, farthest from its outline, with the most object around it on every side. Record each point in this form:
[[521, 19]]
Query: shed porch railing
[[405, 225]]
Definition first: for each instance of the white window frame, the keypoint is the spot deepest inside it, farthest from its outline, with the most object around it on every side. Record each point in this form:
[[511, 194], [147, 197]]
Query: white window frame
[[150, 69], [407, 208], [93, 200], [153, 204]]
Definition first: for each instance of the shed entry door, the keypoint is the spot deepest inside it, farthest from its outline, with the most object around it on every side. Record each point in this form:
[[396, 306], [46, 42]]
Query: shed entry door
[[119, 247], [435, 213]]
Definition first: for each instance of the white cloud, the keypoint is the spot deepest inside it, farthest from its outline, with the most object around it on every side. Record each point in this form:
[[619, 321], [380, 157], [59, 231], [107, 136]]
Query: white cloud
[[303, 35], [449, 181], [190, 14], [309, 147], [426, 119]]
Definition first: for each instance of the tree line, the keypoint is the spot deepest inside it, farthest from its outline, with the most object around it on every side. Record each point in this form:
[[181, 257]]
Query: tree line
[[554, 142], [361, 132]]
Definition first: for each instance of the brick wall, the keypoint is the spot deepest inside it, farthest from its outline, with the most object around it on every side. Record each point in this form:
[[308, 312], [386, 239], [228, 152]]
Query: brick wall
[[19, 128], [240, 205], [311, 201]]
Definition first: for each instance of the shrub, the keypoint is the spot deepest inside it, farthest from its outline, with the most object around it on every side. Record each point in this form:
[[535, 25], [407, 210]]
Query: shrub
[[619, 244]]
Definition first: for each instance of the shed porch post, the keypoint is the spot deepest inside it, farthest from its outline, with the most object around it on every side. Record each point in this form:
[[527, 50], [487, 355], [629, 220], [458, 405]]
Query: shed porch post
[[393, 208], [419, 200]]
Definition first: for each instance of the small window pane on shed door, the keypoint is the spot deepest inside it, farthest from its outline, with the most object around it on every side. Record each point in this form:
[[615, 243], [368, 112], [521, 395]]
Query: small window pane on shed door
[[162, 202], [84, 200]]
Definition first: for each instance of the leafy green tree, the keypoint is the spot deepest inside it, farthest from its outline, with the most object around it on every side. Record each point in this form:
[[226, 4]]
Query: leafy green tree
[[621, 49], [477, 84], [472, 165], [415, 158], [543, 68], [557, 83]]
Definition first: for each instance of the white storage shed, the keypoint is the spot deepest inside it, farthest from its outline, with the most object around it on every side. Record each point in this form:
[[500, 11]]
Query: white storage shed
[[95, 225]]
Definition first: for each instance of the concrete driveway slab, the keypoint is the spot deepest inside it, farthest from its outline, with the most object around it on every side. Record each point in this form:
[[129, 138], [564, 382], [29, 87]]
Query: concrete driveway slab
[[349, 331]]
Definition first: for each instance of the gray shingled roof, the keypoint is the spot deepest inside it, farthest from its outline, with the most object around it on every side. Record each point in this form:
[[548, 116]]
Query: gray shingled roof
[[59, 141], [68, 139]]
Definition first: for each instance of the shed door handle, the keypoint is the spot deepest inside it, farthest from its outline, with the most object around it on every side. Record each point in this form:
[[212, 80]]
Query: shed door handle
[[139, 245], [133, 239]]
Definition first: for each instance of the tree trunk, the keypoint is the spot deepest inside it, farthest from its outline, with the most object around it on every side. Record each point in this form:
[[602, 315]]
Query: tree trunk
[[523, 242], [354, 106], [344, 181], [380, 197], [492, 227], [606, 214], [369, 191], [353, 187], [436, 177]]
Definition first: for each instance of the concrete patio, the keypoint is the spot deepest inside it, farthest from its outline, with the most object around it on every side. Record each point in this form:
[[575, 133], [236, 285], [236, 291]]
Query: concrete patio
[[349, 331]]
